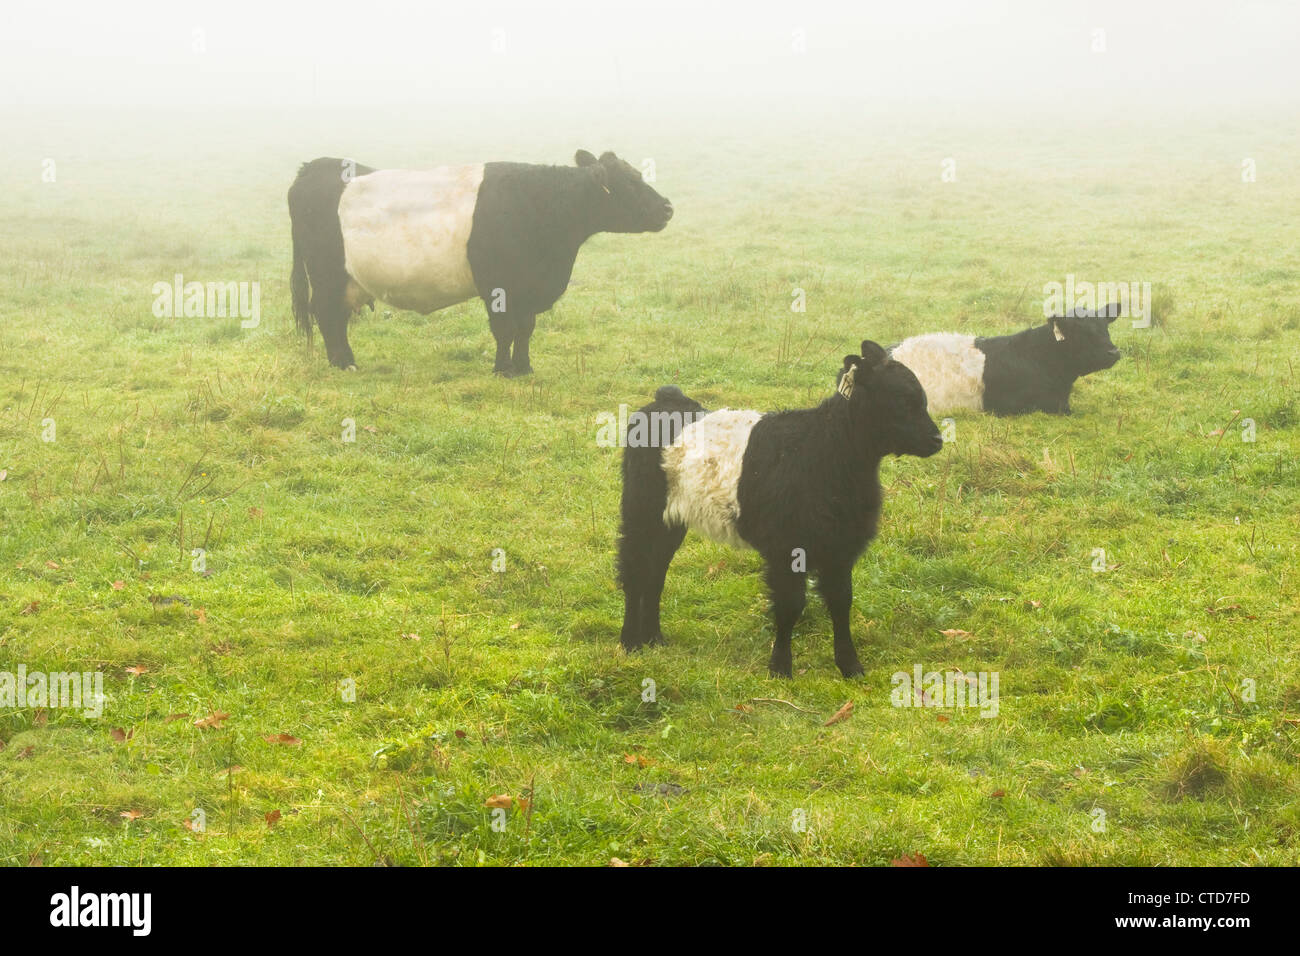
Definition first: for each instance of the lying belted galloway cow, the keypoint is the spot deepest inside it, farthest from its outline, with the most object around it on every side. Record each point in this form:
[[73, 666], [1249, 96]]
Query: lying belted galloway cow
[[425, 239], [1030, 371]]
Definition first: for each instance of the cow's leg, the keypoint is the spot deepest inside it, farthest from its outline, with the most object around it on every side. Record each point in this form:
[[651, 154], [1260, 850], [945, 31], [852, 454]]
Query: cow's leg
[[330, 305], [523, 331], [788, 598], [503, 331], [836, 588]]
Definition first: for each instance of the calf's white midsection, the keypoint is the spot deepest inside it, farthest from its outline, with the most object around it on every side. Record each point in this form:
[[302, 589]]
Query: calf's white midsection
[[703, 471]]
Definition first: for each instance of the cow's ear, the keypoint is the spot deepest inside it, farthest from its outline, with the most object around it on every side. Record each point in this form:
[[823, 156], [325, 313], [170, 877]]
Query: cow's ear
[[873, 353], [1112, 312], [584, 158]]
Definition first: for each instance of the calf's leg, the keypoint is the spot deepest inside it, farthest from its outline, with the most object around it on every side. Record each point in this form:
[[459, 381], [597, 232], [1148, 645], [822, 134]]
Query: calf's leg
[[836, 587], [645, 551], [789, 594], [661, 555]]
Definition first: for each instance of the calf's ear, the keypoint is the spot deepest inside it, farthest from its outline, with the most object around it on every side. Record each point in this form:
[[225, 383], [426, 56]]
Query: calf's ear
[[873, 353], [584, 158]]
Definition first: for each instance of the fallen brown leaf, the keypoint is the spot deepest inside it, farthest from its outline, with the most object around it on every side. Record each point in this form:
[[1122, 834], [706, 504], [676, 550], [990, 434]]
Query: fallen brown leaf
[[288, 739], [910, 859], [171, 717], [131, 814], [136, 670], [120, 735], [954, 632], [841, 714], [272, 818], [214, 719], [501, 801], [118, 585], [32, 608], [998, 794]]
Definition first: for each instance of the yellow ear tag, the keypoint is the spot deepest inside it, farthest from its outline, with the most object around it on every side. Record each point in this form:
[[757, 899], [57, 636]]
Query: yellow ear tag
[[1056, 330], [846, 382], [607, 192]]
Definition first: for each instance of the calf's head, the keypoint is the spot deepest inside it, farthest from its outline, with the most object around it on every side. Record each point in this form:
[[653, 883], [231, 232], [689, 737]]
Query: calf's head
[[626, 202], [888, 403], [1083, 339]]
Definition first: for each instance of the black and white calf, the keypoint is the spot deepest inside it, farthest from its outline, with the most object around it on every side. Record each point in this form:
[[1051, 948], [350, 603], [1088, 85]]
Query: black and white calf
[[1030, 371], [424, 239], [800, 487]]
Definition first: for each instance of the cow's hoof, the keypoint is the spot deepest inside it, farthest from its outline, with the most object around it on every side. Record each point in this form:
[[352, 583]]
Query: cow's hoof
[[350, 368], [526, 370], [781, 668], [504, 372]]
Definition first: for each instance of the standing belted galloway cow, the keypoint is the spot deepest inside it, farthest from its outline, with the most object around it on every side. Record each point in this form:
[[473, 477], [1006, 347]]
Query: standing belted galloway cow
[[426, 239]]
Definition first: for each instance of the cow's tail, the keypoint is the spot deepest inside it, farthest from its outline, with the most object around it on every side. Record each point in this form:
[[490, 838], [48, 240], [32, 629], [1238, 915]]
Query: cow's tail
[[319, 275], [299, 287]]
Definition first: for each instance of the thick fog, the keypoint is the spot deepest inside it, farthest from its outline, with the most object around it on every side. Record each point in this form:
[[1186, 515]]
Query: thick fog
[[1195, 55]]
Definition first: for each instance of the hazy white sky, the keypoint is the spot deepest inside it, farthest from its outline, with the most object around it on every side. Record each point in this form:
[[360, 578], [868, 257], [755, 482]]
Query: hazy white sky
[[255, 53]]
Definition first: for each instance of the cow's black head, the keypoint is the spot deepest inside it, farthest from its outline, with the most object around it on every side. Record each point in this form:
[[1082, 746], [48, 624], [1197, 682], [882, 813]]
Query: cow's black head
[[888, 403], [626, 202], [1083, 339]]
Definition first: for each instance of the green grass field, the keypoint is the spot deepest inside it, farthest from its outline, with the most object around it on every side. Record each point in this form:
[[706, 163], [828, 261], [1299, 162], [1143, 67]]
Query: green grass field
[[1148, 714]]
